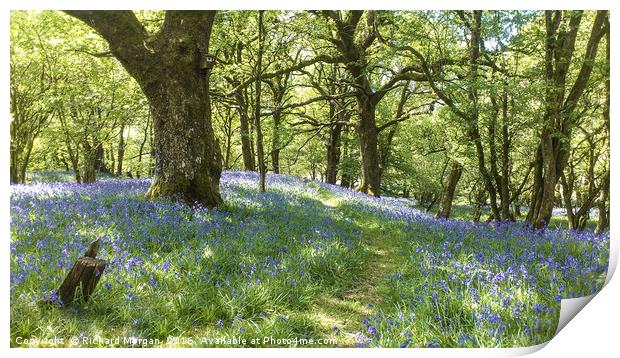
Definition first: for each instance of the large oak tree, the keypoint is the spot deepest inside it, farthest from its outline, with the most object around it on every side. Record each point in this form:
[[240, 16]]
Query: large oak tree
[[170, 68]]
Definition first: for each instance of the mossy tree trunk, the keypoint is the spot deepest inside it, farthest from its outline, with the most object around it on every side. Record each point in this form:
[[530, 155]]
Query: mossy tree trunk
[[169, 68]]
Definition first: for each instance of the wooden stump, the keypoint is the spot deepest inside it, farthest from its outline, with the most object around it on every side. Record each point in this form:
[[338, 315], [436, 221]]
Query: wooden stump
[[84, 274]]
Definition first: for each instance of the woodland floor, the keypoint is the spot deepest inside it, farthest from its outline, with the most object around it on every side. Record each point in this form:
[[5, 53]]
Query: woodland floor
[[303, 260]]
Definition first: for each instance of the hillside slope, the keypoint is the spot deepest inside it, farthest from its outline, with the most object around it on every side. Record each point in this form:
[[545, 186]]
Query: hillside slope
[[303, 261]]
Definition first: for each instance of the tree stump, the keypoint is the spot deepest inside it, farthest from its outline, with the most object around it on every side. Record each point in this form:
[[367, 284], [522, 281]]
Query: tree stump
[[84, 274]]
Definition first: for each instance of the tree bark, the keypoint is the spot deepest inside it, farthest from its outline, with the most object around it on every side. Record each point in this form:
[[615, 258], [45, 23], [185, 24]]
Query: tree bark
[[83, 277]]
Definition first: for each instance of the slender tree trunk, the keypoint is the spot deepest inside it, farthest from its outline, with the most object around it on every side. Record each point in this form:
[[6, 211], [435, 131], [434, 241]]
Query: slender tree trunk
[[536, 192], [262, 168], [143, 143], [386, 148], [504, 182], [447, 196], [229, 137], [279, 87], [75, 165], [333, 153], [14, 176], [345, 177], [474, 131], [275, 142], [567, 194], [88, 168], [246, 136], [334, 142], [25, 161], [501, 179], [603, 215], [121, 151]]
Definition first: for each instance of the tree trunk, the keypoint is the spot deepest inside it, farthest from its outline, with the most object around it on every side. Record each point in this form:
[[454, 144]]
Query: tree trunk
[[262, 168], [186, 164], [504, 182], [447, 196], [603, 215], [474, 131], [355, 60], [275, 142], [536, 192], [100, 162], [386, 148], [279, 88], [143, 143], [121, 151], [345, 177], [89, 158], [83, 276], [567, 194], [246, 136], [501, 179], [367, 131], [14, 171], [333, 153]]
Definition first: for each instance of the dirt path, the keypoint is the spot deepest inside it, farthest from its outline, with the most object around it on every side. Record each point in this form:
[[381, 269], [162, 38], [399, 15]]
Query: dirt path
[[342, 316]]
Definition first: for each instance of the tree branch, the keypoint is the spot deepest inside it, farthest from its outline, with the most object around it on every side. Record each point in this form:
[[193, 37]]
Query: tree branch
[[125, 35]]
